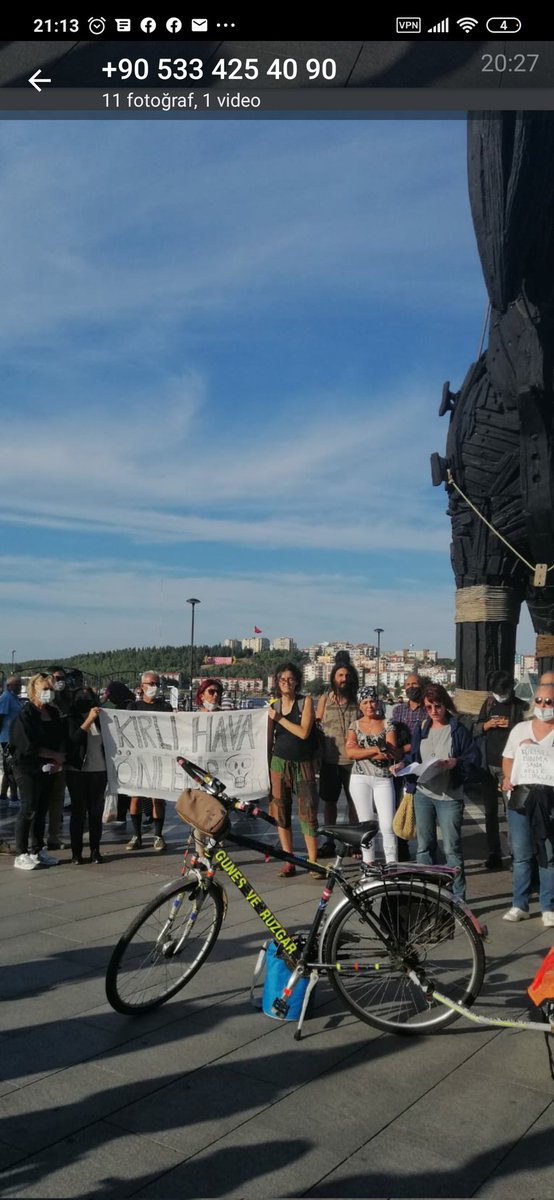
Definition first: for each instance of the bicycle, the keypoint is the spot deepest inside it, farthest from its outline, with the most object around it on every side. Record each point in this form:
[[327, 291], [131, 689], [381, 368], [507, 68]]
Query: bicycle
[[395, 932]]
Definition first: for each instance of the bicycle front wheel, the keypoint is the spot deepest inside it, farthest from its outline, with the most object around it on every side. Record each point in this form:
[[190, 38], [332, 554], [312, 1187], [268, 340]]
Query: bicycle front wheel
[[403, 926], [164, 947]]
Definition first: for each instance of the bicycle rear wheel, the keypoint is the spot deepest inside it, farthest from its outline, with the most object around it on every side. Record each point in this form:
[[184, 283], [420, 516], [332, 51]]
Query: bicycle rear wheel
[[164, 947], [414, 926]]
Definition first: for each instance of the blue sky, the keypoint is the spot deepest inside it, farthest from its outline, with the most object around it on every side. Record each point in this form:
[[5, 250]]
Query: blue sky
[[223, 352]]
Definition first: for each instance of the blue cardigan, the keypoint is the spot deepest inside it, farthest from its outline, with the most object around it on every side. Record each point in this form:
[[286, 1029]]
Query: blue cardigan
[[464, 749]]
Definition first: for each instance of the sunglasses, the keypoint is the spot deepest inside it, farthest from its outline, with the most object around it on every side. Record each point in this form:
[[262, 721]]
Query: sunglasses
[[212, 692], [432, 706], [544, 700]]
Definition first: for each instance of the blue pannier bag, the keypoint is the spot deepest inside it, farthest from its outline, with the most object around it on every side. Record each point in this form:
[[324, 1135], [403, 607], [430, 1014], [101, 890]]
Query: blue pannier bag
[[276, 975]]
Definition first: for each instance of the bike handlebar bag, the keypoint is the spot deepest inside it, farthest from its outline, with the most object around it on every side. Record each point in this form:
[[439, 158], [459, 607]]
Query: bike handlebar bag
[[204, 812]]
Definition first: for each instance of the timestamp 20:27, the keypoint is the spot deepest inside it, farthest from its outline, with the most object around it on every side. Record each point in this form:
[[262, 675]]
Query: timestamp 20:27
[[501, 63]]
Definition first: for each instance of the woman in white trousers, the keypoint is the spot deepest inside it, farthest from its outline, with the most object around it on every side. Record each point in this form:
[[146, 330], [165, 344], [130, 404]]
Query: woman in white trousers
[[371, 744]]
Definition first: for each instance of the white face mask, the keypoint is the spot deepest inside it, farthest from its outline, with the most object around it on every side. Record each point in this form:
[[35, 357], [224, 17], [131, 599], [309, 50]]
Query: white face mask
[[150, 690], [46, 696], [59, 685], [209, 705], [500, 699], [544, 714]]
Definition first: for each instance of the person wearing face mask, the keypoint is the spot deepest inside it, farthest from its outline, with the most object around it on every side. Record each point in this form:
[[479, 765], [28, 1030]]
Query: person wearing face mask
[[209, 694], [531, 817], [336, 710], [152, 701], [38, 739], [498, 714], [410, 713]]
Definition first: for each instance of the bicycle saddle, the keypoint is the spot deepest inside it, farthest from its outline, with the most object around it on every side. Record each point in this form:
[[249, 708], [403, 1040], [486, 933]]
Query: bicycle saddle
[[352, 835]]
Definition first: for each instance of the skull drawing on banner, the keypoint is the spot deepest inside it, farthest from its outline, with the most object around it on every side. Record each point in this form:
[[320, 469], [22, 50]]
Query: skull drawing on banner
[[238, 765]]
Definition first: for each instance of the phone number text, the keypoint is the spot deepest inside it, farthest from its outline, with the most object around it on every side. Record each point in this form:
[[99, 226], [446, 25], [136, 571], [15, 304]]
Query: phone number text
[[232, 69]]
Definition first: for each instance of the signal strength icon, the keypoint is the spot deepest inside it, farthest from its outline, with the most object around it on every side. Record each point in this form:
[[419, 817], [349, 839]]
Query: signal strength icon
[[442, 27], [467, 24]]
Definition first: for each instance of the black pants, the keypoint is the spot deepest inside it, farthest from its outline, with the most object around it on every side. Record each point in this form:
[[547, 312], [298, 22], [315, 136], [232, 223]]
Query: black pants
[[332, 779], [35, 788], [8, 777], [122, 807], [86, 789]]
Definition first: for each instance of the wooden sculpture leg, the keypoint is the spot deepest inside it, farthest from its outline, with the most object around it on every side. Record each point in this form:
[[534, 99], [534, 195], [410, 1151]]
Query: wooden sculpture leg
[[540, 602]]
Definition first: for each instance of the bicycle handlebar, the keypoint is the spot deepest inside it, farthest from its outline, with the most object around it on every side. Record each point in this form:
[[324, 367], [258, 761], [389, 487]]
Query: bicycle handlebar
[[213, 785], [209, 782]]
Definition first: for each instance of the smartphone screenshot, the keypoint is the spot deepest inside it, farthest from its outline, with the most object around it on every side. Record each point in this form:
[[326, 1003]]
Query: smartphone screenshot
[[247, 265]]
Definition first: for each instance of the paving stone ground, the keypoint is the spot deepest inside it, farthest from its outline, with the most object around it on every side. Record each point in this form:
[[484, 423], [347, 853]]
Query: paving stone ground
[[207, 1097]]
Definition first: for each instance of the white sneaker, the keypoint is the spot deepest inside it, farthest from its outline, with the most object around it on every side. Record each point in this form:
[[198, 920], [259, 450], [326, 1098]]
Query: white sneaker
[[46, 859], [516, 914], [24, 862], [548, 920]]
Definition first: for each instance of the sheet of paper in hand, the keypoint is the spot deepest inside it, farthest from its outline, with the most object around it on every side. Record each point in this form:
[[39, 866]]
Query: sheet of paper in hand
[[421, 770]]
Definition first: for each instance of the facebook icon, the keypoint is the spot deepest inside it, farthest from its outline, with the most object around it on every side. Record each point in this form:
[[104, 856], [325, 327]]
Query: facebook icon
[[148, 25], [174, 25]]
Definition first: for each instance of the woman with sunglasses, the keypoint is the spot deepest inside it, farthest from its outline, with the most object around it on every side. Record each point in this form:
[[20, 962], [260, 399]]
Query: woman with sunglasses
[[371, 745], [532, 828], [439, 799], [209, 694]]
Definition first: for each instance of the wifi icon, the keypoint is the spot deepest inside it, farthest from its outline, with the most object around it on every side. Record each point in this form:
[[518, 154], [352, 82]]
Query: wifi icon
[[467, 24]]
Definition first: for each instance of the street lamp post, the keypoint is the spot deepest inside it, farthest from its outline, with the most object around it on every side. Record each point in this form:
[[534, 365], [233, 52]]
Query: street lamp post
[[378, 631], [13, 660], [193, 604]]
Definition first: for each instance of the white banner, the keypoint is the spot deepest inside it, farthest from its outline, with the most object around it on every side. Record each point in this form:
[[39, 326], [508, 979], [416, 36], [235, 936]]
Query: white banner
[[532, 764], [141, 751]]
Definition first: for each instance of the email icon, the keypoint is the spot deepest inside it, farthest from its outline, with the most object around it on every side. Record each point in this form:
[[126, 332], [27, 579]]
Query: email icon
[[199, 24]]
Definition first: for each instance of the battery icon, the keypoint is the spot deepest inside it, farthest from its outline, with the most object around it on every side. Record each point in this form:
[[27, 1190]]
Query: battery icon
[[503, 24]]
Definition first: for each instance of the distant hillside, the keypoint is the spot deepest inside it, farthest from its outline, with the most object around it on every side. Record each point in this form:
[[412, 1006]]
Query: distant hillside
[[128, 664]]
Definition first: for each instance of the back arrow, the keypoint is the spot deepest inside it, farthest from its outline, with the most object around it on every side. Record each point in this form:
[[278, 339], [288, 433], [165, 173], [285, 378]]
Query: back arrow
[[36, 79]]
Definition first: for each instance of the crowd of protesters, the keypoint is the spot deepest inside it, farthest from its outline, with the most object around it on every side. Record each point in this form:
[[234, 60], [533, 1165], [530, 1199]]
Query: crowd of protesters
[[51, 743], [361, 753]]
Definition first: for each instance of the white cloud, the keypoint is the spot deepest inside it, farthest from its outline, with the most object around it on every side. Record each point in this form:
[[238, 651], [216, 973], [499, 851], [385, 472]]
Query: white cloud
[[147, 266], [154, 475], [61, 610]]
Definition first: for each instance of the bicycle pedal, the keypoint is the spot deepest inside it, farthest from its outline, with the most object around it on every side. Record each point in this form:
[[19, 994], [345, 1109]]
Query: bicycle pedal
[[280, 1007]]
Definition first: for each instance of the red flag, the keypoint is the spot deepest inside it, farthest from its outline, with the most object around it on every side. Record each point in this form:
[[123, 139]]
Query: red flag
[[256, 630]]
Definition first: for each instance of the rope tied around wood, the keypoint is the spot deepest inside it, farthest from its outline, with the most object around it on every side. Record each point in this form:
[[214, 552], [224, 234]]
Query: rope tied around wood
[[540, 570], [468, 701], [486, 603]]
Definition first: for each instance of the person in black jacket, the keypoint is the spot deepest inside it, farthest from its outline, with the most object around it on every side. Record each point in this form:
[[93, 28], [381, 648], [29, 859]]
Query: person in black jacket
[[117, 695], [38, 739], [499, 713], [152, 701], [86, 775]]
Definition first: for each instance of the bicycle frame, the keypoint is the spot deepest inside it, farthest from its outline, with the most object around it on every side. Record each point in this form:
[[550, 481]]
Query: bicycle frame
[[307, 954], [217, 854], [308, 961]]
